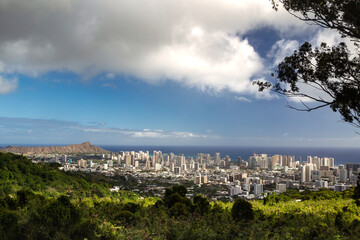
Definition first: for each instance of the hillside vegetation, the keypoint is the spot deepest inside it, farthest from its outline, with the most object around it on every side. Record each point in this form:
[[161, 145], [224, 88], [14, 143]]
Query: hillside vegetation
[[37, 201]]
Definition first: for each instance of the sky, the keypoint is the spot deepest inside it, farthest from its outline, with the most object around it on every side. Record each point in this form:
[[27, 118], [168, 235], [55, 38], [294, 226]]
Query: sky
[[155, 72]]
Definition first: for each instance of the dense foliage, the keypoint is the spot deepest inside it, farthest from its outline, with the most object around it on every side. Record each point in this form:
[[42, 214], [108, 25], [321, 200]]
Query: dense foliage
[[17, 172], [33, 206]]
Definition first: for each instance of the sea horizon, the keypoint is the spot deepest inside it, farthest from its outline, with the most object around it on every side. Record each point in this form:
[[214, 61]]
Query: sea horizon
[[342, 155]]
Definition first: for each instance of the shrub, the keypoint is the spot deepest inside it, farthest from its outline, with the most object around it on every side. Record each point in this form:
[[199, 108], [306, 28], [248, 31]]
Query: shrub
[[242, 210]]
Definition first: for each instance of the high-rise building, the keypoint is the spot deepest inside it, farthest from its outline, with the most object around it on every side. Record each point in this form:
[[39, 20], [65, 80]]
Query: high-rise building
[[342, 175], [259, 161], [239, 161], [284, 161], [306, 172], [82, 163], [197, 179], [180, 160], [291, 161], [90, 164], [119, 159], [147, 164], [172, 167], [217, 158], [354, 167], [316, 161], [275, 160], [200, 158], [197, 166], [234, 191], [231, 191], [183, 167], [110, 163], [258, 189], [315, 175], [246, 186], [207, 158], [127, 159], [227, 162], [157, 155], [321, 184], [204, 179], [203, 167], [157, 166]]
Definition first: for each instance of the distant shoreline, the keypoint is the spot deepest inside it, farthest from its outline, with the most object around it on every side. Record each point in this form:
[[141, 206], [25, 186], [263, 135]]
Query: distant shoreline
[[342, 155]]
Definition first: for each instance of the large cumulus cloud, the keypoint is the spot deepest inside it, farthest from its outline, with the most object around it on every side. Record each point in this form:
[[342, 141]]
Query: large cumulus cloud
[[197, 43]]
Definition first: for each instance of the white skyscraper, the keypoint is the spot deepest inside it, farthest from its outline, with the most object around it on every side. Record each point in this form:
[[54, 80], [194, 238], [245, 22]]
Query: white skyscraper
[[342, 175], [306, 172], [217, 158], [258, 189]]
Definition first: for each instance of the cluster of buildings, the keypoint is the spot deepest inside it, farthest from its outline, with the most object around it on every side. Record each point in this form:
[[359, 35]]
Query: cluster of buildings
[[259, 175]]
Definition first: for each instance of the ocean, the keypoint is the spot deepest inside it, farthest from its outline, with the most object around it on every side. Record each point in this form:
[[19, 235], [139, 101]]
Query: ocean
[[341, 155]]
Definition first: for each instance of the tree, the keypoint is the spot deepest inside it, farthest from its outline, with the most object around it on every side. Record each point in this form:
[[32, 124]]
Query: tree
[[176, 194], [332, 70], [356, 194], [202, 204], [340, 15], [180, 189], [242, 210]]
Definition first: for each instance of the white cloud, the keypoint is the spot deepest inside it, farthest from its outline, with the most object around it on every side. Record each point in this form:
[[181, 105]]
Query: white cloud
[[242, 99], [8, 85], [109, 85], [195, 43], [110, 75], [282, 49], [212, 62], [42, 131], [54, 131], [146, 133], [332, 38]]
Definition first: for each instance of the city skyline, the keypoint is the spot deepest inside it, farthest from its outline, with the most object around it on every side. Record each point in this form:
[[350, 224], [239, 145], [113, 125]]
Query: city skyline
[[163, 73]]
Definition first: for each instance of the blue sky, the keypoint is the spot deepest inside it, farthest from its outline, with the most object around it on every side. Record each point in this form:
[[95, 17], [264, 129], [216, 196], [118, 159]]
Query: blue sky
[[177, 74]]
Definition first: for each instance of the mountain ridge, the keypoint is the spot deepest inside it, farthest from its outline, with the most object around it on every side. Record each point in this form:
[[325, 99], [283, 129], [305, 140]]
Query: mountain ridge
[[85, 147]]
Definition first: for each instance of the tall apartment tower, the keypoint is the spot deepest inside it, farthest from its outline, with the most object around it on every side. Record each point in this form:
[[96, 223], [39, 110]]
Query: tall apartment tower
[[127, 159], [306, 172], [239, 161], [258, 189], [217, 158], [342, 175], [227, 162]]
